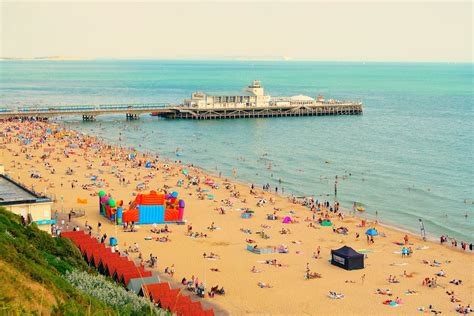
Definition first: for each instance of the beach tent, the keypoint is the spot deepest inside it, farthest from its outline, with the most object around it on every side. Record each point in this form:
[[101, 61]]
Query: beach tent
[[372, 232], [286, 220], [326, 223], [135, 284], [347, 258]]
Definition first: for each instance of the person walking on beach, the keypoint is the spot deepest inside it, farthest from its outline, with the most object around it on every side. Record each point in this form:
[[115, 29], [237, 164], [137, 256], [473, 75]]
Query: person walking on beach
[[362, 278]]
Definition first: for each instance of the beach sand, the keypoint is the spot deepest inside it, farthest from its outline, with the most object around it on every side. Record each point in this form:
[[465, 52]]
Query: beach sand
[[290, 294]]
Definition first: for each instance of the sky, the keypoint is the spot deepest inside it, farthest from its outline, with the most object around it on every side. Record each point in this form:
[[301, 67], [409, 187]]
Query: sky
[[307, 30]]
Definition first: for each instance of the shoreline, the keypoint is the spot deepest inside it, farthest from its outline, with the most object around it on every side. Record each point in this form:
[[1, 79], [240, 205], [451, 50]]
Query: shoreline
[[432, 237], [243, 296]]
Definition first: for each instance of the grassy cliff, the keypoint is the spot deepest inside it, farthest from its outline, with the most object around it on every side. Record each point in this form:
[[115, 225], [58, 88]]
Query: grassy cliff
[[32, 265]]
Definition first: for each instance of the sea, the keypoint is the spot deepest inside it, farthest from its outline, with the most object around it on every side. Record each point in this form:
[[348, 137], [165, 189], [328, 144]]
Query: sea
[[408, 157]]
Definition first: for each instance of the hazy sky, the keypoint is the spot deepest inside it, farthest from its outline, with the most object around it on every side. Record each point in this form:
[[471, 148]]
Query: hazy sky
[[353, 30]]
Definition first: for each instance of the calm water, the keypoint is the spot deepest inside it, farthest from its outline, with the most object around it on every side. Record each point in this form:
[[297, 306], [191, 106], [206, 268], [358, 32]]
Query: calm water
[[409, 156]]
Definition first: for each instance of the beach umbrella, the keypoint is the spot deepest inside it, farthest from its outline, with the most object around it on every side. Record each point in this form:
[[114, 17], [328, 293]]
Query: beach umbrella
[[372, 232], [112, 203], [101, 193], [326, 223]]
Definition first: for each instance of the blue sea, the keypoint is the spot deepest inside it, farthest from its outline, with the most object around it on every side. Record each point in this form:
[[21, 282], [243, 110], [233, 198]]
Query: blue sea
[[409, 156]]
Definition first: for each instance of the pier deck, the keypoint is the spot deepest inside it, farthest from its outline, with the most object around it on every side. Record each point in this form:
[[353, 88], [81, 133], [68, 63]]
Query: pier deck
[[133, 111], [262, 112]]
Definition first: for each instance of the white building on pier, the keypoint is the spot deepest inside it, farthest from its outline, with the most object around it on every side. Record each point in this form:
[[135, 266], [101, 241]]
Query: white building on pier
[[253, 97]]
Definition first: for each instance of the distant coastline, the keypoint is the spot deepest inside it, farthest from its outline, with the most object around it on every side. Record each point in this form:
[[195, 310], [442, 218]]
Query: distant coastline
[[43, 58]]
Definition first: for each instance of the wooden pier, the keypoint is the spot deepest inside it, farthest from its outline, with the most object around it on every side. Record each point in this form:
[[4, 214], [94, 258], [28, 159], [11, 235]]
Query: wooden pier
[[132, 112], [263, 112]]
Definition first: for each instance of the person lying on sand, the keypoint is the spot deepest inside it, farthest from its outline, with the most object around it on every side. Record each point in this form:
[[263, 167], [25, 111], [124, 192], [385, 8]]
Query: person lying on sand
[[408, 275], [210, 256], [456, 282], [215, 270], [212, 227], [384, 292], [254, 270], [334, 295], [264, 285], [441, 273], [197, 235], [163, 239], [393, 279], [411, 292], [312, 275]]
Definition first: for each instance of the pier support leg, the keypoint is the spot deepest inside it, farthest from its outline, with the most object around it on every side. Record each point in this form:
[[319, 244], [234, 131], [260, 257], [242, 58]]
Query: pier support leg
[[132, 117], [88, 118]]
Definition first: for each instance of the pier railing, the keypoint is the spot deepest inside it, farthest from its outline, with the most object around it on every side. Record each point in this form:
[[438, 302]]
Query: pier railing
[[133, 111]]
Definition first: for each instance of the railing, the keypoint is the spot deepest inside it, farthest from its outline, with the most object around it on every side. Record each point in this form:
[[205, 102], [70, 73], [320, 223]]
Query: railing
[[88, 108]]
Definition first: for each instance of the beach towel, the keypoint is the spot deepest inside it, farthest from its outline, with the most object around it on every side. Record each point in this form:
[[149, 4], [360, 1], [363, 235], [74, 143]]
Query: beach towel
[[81, 201], [422, 248], [399, 264]]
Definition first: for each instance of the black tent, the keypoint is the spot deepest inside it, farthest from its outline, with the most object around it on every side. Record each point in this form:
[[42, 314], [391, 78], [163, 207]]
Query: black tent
[[347, 258]]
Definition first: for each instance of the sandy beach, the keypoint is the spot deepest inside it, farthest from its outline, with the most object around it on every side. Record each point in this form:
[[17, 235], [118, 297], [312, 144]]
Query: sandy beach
[[49, 155]]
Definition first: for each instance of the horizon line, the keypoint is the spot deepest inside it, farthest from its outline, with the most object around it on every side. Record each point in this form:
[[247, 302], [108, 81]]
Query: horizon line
[[228, 58]]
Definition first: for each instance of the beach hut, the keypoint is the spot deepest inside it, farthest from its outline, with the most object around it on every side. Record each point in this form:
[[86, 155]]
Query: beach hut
[[347, 258], [135, 284]]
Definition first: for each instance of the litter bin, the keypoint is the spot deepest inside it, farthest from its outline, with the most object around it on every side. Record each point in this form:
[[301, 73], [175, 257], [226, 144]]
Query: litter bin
[[113, 241]]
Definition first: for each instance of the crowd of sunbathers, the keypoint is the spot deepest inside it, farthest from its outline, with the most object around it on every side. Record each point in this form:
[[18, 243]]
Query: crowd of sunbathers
[[210, 256], [157, 230], [275, 263], [433, 282], [464, 310]]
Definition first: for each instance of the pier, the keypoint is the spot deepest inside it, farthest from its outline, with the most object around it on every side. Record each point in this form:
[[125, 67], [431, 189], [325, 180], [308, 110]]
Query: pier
[[88, 112], [133, 112], [250, 103], [263, 112]]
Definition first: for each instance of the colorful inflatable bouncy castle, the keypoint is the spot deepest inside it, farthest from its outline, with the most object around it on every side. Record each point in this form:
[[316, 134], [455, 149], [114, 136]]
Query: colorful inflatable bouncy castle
[[109, 208], [151, 208], [155, 208]]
